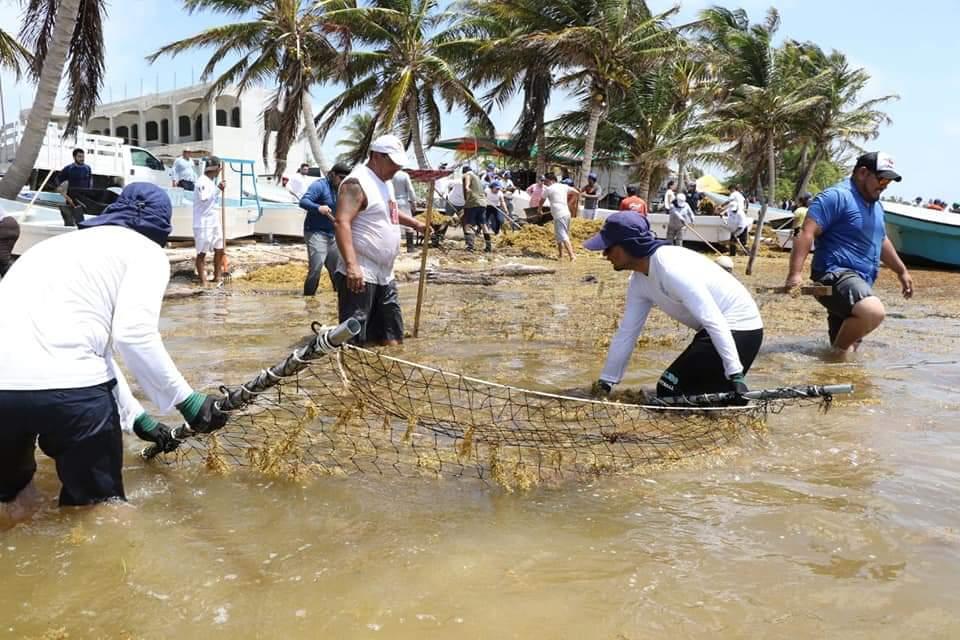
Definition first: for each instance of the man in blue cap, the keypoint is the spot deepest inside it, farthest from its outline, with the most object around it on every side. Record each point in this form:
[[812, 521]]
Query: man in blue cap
[[591, 197], [692, 290], [846, 220], [67, 304]]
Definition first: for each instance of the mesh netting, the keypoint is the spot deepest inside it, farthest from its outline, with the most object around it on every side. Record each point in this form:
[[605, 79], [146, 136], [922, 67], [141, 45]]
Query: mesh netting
[[359, 411]]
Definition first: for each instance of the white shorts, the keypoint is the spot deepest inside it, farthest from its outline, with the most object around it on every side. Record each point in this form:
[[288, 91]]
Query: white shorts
[[206, 240]]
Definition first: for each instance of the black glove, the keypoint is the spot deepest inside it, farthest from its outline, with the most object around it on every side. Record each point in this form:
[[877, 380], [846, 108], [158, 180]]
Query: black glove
[[738, 384], [601, 389], [150, 430], [202, 413]]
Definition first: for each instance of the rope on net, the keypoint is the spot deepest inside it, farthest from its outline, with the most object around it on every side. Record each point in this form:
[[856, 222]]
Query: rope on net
[[360, 411]]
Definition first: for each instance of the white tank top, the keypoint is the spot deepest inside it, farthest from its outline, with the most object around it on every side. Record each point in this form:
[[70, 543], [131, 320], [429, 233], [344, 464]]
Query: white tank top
[[376, 229]]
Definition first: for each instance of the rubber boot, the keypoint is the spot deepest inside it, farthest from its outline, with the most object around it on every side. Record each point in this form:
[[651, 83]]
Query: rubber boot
[[487, 245], [409, 237], [468, 239]]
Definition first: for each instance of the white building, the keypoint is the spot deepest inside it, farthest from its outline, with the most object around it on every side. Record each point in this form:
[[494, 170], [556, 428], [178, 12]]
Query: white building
[[166, 123]]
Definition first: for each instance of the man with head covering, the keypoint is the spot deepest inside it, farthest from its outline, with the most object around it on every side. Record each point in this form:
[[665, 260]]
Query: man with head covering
[[692, 290], [207, 225], [367, 228], [800, 213], [846, 221], [680, 216], [509, 190], [68, 303]]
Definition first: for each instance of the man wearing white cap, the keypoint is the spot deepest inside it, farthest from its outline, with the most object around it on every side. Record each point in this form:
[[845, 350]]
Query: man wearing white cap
[[367, 229], [847, 223]]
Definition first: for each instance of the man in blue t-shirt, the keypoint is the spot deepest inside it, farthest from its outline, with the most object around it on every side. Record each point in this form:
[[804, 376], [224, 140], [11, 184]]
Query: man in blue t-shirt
[[320, 203], [847, 222], [74, 176]]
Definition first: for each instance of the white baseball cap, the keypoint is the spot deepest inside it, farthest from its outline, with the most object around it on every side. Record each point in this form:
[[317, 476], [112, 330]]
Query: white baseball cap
[[392, 147]]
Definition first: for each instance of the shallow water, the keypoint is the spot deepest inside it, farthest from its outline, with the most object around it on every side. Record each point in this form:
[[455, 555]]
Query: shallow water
[[836, 525]]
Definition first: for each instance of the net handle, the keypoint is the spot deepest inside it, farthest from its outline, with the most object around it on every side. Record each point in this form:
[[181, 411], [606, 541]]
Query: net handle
[[782, 393], [323, 343]]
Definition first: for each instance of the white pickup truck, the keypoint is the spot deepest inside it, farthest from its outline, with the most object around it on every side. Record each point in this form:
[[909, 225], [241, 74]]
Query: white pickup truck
[[113, 163]]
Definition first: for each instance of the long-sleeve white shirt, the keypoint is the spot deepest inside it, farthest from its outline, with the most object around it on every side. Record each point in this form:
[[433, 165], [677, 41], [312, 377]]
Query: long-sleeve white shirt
[[694, 291], [73, 298]]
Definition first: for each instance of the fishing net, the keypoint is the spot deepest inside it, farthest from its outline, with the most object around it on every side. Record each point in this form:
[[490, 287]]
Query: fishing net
[[360, 411]]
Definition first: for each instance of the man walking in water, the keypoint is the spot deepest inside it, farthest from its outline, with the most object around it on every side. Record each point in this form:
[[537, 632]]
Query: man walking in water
[[320, 202], [846, 221], [68, 303], [367, 229]]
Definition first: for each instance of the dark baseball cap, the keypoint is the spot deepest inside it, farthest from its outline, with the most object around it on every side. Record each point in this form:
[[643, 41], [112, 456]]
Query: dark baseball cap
[[880, 164], [628, 229]]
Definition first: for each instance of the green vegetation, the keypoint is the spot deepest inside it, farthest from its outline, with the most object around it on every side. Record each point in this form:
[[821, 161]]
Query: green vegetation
[[652, 94]]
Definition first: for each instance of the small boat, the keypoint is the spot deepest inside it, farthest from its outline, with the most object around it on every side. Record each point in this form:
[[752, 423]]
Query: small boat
[[923, 235]]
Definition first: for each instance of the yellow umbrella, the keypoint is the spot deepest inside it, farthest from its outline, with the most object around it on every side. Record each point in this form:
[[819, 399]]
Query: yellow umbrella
[[709, 183]]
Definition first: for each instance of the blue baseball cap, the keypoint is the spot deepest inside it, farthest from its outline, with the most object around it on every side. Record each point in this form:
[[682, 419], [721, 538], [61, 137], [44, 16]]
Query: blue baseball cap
[[567, 181], [628, 229], [591, 176], [495, 184]]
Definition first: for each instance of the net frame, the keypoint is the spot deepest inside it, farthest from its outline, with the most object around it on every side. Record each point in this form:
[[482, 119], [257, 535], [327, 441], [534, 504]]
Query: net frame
[[361, 411]]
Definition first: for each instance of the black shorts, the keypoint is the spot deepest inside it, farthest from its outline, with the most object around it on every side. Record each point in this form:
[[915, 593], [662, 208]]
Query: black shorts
[[475, 216], [186, 185], [377, 308], [78, 428], [699, 369]]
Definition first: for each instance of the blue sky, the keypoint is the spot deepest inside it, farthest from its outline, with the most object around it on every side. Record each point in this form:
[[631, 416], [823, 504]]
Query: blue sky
[[908, 52]]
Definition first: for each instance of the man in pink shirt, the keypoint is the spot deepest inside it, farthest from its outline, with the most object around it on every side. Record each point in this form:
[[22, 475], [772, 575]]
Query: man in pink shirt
[[535, 191]]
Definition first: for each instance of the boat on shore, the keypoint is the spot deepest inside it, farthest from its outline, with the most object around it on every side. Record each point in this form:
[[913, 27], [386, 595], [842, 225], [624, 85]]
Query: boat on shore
[[923, 235]]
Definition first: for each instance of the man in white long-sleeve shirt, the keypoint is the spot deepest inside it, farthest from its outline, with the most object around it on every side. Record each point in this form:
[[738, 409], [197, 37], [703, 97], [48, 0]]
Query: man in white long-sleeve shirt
[[68, 303], [692, 290]]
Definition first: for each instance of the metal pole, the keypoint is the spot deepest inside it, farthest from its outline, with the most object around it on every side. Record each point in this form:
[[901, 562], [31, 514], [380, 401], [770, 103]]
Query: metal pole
[[223, 216], [421, 287]]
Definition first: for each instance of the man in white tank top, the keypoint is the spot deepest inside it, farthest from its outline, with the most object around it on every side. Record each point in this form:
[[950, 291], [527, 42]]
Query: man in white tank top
[[367, 228]]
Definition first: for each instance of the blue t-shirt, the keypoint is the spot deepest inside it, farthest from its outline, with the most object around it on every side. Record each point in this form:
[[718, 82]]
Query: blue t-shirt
[[852, 232], [78, 176], [320, 193]]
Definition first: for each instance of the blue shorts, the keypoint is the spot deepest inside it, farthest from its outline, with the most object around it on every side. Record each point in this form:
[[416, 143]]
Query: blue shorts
[[475, 216], [78, 428]]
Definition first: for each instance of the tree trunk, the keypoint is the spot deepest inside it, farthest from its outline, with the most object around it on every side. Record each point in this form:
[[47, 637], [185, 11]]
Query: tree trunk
[[772, 175], [644, 173], [47, 87], [807, 173], [414, 119], [681, 183], [596, 110], [310, 128], [541, 145]]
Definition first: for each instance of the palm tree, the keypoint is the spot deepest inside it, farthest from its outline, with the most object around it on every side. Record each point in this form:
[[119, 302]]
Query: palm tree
[[289, 42], [407, 68], [357, 143], [496, 30], [657, 122], [68, 33], [840, 120], [12, 53], [606, 45], [760, 100]]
